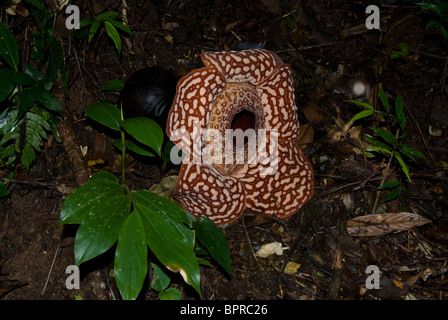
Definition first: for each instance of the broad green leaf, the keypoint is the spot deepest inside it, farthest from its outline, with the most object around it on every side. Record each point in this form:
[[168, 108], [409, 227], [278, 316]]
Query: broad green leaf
[[386, 135], [105, 113], [389, 184], [131, 258], [362, 114], [108, 15], [392, 195], [100, 228], [85, 22], [33, 73], [160, 279], [399, 110], [30, 95], [145, 130], [170, 294], [131, 145], [7, 82], [113, 34], [55, 62], [3, 190], [362, 104], [171, 211], [168, 244], [431, 7], [433, 23], [213, 239], [113, 85], [93, 29], [9, 49], [384, 100], [121, 26], [91, 195]]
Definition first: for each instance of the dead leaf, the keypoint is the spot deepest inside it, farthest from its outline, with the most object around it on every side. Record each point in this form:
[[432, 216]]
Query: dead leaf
[[270, 248], [306, 134], [312, 113], [381, 224], [291, 267]]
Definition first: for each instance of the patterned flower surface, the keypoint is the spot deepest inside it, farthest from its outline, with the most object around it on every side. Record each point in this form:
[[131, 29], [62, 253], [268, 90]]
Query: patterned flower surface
[[259, 168]]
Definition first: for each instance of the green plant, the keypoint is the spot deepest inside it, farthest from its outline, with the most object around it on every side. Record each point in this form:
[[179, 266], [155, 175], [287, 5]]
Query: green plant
[[46, 47], [132, 144], [110, 213], [160, 283], [385, 142], [403, 52], [30, 110], [440, 9], [112, 22]]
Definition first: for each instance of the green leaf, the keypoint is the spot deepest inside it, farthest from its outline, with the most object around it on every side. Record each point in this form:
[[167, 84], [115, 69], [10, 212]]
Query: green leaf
[[403, 165], [100, 228], [33, 73], [170, 246], [131, 258], [93, 29], [384, 100], [131, 145], [389, 184], [23, 79], [121, 26], [105, 113], [378, 143], [170, 294], [3, 190], [171, 211], [431, 7], [113, 34], [9, 49], [89, 197], [399, 110], [27, 156], [113, 85], [7, 82], [362, 114], [85, 22], [213, 239], [386, 135], [392, 195], [145, 130], [362, 104], [108, 15], [410, 152], [29, 95], [55, 62], [160, 280], [444, 32]]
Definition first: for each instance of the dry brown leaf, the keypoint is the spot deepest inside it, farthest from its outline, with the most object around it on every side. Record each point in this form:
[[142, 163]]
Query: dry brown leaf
[[381, 224], [306, 134], [312, 113]]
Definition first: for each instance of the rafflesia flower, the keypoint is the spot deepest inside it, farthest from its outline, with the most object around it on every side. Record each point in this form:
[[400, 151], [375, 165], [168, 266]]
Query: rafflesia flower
[[236, 122]]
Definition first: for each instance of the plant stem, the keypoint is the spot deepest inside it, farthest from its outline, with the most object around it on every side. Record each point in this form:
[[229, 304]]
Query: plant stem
[[385, 174], [123, 150]]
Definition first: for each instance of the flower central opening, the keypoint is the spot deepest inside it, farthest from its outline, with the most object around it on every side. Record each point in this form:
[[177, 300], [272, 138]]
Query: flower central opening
[[243, 120]]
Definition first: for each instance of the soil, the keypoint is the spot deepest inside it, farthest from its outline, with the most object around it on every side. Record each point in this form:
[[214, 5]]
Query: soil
[[328, 47]]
